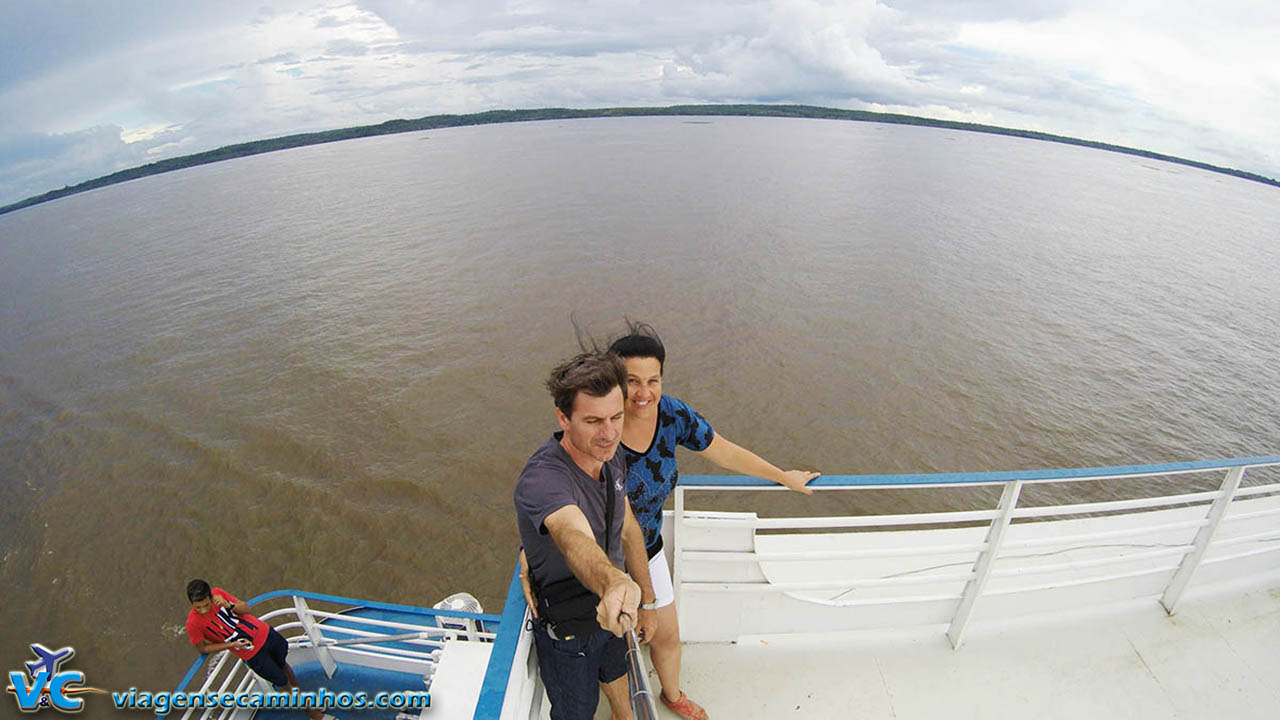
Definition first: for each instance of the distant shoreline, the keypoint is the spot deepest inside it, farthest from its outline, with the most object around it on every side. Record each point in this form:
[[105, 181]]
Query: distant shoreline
[[432, 122]]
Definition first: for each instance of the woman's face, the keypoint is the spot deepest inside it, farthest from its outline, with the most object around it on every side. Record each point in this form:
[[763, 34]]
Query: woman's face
[[644, 386]]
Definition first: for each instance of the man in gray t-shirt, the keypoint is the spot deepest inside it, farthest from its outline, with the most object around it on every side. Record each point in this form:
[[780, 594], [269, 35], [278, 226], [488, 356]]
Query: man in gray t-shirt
[[551, 481], [562, 500]]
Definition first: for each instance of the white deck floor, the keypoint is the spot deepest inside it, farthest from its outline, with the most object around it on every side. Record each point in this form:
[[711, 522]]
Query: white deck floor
[[1217, 658]]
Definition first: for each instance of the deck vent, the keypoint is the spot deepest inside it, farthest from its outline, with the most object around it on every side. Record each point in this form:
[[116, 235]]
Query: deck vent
[[460, 602]]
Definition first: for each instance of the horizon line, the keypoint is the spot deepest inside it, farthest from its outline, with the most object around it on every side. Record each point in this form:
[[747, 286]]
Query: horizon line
[[491, 117]]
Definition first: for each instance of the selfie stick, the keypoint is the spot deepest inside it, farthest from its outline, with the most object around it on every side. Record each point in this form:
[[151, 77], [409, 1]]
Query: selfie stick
[[642, 704]]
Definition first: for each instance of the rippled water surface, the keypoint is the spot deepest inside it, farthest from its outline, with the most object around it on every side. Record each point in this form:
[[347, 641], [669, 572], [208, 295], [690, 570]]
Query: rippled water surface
[[321, 368]]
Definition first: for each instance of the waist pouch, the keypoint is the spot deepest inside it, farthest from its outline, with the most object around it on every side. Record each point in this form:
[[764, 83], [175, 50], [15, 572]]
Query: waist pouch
[[569, 607]]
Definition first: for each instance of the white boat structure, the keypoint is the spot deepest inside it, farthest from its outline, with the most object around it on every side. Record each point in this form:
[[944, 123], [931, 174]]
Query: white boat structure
[[1154, 603]]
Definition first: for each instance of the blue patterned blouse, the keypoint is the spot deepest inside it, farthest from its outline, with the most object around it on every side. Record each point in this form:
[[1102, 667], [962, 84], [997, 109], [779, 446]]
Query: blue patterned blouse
[[653, 474]]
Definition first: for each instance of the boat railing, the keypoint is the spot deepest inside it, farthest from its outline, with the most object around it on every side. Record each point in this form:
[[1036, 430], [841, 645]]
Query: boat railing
[[332, 637], [512, 687], [738, 574]]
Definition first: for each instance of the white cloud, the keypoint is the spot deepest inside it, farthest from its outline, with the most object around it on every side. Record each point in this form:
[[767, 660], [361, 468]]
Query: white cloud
[[201, 83], [142, 134], [1178, 65], [35, 163]]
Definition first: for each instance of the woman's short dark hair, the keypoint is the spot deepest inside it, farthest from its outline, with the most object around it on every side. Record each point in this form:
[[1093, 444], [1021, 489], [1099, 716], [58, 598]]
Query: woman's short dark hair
[[594, 372], [641, 340], [198, 590]]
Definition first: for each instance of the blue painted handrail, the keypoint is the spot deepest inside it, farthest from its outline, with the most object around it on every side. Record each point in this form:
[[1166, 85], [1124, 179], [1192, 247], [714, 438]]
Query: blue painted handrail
[[395, 607], [980, 478], [496, 676]]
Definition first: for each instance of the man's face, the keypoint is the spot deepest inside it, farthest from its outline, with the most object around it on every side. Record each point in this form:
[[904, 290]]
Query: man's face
[[202, 607], [595, 428]]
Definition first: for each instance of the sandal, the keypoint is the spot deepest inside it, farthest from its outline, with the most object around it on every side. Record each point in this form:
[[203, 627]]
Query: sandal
[[684, 707]]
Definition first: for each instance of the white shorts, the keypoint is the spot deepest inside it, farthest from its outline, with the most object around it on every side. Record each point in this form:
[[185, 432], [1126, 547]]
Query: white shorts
[[660, 576]]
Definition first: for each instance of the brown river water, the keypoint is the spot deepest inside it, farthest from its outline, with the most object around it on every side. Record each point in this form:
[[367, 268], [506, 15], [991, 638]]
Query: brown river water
[[321, 368]]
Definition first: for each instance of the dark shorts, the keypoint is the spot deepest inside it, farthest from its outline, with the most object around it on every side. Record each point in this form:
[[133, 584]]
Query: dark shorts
[[572, 670], [269, 660]]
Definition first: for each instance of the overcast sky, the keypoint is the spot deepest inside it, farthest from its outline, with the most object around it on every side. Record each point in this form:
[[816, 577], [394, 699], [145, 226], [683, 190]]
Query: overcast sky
[[94, 86]]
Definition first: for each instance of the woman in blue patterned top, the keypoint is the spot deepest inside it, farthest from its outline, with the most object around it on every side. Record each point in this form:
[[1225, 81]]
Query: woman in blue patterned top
[[652, 428]]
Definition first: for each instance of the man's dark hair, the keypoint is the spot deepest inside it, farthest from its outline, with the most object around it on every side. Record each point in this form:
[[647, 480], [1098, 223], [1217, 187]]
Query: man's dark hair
[[641, 340], [198, 590], [593, 372]]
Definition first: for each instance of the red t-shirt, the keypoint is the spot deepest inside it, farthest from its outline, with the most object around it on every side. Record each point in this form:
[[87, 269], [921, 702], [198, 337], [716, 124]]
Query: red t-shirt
[[222, 624]]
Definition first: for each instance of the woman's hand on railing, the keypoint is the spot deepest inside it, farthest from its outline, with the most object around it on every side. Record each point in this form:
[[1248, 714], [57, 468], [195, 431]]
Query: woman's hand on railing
[[797, 480]]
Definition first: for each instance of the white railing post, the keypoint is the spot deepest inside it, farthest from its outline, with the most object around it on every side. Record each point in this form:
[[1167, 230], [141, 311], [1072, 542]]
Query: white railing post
[[313, 633], [264, 685], [982, 568], [676, 534], [1191, 561]]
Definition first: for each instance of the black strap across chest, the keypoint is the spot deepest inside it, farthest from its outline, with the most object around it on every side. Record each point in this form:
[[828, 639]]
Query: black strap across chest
[[608, 506]]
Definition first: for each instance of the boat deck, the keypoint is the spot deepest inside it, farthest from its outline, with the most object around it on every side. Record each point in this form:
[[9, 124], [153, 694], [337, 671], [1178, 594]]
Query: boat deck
[[1057, 610], [1216, 658]]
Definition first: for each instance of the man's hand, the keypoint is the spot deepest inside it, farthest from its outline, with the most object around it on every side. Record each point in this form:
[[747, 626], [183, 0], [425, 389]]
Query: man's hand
[[647, 626], [525, 586], [797, 480], [616, 611], [241, 644], [221, 601]]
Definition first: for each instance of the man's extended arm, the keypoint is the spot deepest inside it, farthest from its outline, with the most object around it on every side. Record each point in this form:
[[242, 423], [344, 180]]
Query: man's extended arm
[[619, 594]]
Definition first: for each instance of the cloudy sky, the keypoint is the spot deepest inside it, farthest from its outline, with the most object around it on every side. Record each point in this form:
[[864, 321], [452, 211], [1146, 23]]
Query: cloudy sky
[[88, 87]]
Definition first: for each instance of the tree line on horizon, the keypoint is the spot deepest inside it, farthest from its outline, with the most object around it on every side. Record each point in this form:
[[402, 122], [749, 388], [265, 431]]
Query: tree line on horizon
[[433, 122]]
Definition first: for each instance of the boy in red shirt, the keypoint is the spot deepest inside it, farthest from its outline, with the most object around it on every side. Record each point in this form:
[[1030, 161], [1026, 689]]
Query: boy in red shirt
[[218, 621]]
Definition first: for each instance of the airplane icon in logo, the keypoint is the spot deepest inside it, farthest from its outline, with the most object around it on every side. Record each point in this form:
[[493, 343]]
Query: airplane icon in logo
[[49, 685], [50, 660]]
